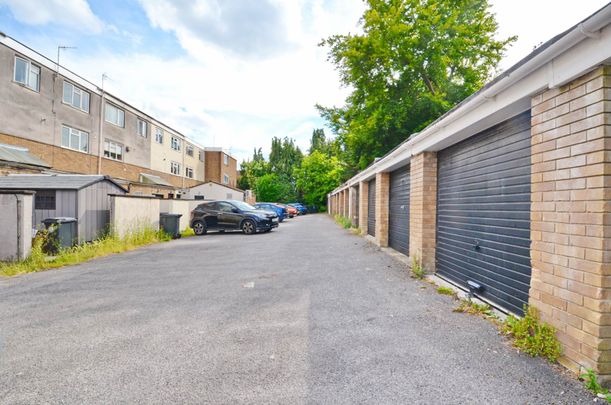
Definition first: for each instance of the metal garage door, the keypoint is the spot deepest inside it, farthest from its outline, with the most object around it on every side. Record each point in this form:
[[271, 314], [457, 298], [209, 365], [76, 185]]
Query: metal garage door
[[483, 213], [371, 208], [398, 210]]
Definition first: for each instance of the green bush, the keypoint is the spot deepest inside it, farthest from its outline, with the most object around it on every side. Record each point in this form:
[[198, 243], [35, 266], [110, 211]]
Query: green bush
[[446, 291], [532, 336], [590, 382], [473, 308]]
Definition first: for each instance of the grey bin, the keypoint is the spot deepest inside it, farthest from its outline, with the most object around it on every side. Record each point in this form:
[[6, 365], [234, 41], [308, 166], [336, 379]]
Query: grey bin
[[170, 224], [62, 233]]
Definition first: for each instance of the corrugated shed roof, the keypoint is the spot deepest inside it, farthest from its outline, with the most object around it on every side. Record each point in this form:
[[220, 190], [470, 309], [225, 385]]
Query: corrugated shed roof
[[15, 154], [51, 181], [152, 179]]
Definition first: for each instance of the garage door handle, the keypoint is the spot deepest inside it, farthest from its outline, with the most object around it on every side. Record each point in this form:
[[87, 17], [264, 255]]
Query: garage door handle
[[476, 245]]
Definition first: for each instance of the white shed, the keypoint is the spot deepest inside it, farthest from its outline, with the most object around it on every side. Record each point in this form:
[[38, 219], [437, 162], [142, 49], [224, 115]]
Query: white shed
[[212, 190]]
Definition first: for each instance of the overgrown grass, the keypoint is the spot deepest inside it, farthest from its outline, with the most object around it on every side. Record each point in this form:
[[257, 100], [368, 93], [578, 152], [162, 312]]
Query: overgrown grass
[[417, 269], [187, 233], [446, 291], [590, 382], [532, 336], [38, 260], [473, 308], [346, 223]]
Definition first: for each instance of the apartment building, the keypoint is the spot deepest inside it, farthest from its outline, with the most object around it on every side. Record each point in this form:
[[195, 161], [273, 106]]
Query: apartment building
[[76, 127], [221, 167]]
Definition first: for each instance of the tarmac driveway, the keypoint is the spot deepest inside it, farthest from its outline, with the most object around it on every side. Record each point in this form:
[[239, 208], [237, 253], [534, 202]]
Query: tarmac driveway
[[305, 314]]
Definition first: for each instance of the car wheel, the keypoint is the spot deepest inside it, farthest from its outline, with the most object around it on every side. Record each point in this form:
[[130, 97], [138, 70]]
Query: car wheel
[[248, 227], [199, 228]]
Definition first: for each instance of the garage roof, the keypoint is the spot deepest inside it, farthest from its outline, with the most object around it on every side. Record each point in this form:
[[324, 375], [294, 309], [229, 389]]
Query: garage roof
[[52, 181]]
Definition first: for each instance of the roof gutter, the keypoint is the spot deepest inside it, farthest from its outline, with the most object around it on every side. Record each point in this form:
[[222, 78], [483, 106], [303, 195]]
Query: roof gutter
[[412, 146]]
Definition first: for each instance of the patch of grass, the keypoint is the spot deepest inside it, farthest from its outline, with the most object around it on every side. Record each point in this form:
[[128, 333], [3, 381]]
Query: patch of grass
[[590, 382], [346, 223], [187, 233], [417, 269], [532, 336], [38, 260], [473, 308], [446, 291]]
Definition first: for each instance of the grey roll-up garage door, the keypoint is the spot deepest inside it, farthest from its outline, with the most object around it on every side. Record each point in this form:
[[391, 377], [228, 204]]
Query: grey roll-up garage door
[[483, 212], [371, 208], [398, 210]]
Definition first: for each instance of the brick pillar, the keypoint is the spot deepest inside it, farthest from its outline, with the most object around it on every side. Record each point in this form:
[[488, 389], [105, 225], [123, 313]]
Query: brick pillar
[[363, 205], [570, 218], [382, 190], [347, 203], [352, 211], [343, 202], [423, 208]]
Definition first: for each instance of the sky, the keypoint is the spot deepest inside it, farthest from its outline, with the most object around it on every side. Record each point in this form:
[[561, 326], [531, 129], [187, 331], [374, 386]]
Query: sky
[[232, 73]]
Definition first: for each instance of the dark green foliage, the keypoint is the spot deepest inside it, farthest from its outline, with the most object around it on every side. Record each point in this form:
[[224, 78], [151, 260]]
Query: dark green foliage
[[414, 60]]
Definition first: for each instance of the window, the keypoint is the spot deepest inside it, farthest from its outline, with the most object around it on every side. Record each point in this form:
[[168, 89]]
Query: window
[[189, 150], [75, 139], [225, 179], [113, 150], [175, 168], [159, 135], [175, 143], [27, 74], [225, 207], [76, 97], [115, 115], [44, 200], [201, 155], [142, 127], [189, 172], [226, 159]]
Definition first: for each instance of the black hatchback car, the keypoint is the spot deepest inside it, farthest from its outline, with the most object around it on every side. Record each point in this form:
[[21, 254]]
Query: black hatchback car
[[231, 215]]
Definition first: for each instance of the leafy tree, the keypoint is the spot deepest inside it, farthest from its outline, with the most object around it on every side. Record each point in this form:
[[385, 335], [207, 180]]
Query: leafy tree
[[251, 170], [284, 155], [414, 61], [317, 176], [274, 188]]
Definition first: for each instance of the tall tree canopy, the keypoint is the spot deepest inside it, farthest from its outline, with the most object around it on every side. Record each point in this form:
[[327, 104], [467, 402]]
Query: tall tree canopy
[[414, 60]]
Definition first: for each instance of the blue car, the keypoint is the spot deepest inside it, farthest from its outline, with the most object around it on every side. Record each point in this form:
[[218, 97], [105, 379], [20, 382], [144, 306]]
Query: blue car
[[300, 207], [281, 212]]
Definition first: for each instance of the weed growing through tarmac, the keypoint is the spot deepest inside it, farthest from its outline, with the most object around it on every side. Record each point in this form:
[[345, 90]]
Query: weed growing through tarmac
[[446, 291], [590, 382], [38, 260], [532, 336], [473, 308], [417, 269], [346, 223]]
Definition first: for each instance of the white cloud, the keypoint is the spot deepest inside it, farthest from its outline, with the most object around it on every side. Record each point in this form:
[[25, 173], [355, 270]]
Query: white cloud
[[75, 14]]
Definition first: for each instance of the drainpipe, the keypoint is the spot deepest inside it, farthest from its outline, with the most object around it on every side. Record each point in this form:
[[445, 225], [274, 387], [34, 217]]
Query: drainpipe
[[101, 130], [19, 203]]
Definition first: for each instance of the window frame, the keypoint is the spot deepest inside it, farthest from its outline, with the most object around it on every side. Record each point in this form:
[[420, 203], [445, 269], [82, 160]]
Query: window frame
[[175, 141], [159, 133], [110, 143], [201, 155], [77, 132], [177, 166], [226, 159], [189, 150], [189, 170], [45, 202], [26, 83], [118, 115], [71, 103], [226, 176], [146, 127]]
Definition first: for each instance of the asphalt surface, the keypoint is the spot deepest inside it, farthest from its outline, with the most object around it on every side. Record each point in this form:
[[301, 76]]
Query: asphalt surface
[[308, 313]]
